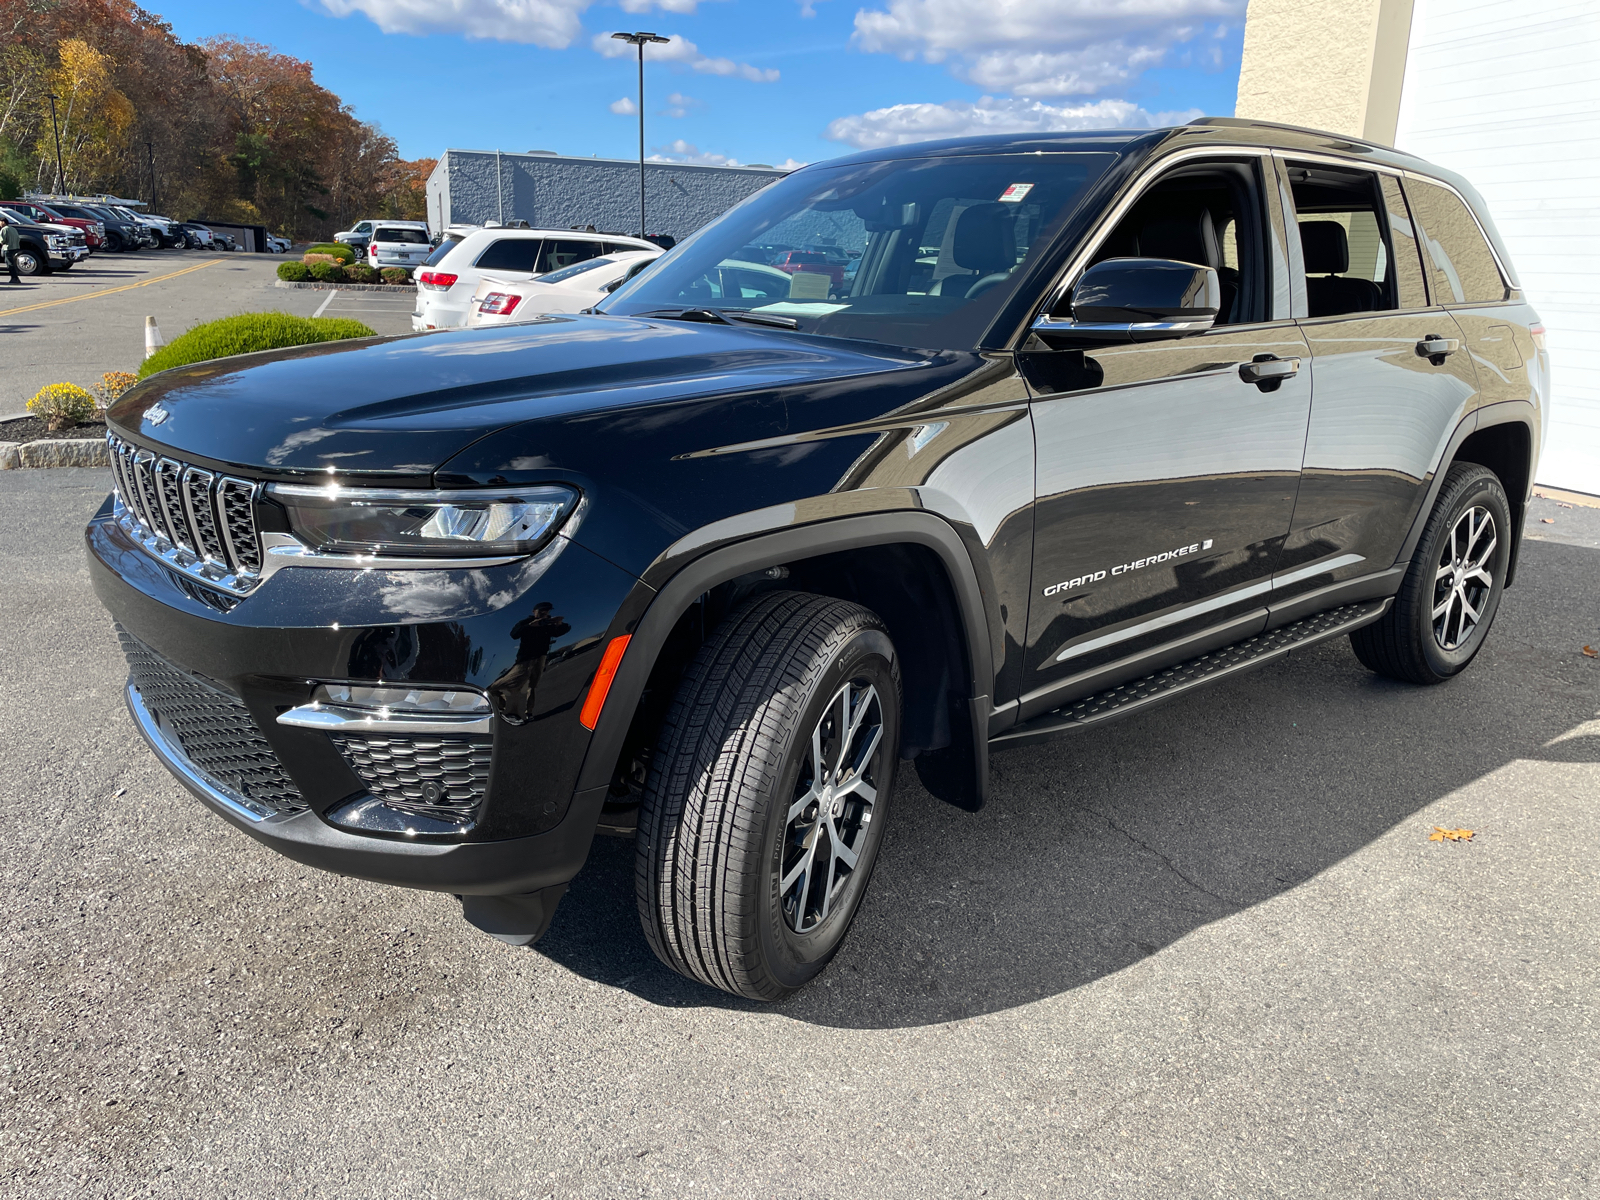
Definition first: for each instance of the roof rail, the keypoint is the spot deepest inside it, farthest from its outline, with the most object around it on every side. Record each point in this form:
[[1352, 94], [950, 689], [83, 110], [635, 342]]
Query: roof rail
[[1252, 123]]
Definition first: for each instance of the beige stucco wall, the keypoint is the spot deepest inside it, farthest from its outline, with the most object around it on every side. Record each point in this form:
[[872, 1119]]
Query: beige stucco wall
[[1329, 64]]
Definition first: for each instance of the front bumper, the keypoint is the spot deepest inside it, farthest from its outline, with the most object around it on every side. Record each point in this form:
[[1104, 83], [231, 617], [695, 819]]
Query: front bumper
[[462, 627]]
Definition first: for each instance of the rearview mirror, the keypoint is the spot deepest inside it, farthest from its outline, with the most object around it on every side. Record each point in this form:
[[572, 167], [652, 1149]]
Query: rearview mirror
[[1138, 300]]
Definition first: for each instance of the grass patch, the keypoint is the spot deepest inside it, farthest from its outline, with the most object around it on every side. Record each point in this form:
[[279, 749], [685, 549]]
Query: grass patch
[[248, 333]]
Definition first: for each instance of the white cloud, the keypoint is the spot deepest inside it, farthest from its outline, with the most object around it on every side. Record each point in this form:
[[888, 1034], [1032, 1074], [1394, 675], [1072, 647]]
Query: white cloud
[[681, 50], [1039, 47], [791, 164], [680, 151], [671, 6], [808, 8], [624, 107], [902, 123], [679, 105], [550, 23]]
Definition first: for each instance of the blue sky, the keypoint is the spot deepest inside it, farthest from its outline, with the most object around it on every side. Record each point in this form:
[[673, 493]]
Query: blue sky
[[747, 81]]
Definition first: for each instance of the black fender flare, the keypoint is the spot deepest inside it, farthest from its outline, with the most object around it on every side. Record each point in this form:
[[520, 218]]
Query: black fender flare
[[650, 631], [1510, 412]]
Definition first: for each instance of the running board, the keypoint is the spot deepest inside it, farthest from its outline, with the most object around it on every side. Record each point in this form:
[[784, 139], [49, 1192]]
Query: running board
[[1210, 668]]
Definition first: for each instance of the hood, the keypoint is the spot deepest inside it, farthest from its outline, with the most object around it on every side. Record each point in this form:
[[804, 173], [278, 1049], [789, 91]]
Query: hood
[[405, 405]]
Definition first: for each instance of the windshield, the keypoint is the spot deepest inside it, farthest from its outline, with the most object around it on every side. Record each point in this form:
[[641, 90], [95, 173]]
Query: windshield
[[911, 252]]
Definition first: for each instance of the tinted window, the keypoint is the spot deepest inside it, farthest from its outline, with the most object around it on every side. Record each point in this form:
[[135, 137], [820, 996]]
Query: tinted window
[[1462, 267], [439, 251], [941, 245], [565, 252], [1344, 241], [511, 254], [1403, 241], [411, 237], [1210, 215]]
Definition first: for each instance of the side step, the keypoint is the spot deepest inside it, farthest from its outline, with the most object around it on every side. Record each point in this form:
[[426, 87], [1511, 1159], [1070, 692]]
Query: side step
[[1221, 664]]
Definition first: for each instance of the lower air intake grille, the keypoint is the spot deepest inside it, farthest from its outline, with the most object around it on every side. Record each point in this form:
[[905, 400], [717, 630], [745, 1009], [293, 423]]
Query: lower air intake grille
[[442, 778], [214, 729]]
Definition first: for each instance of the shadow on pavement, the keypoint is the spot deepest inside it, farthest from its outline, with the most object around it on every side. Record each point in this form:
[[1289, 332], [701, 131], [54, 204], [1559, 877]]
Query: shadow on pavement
[[1102, 848]]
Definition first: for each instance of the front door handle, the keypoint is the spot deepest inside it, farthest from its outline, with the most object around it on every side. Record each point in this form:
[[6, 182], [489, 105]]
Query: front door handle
[[1268, 371], [1434, 348]]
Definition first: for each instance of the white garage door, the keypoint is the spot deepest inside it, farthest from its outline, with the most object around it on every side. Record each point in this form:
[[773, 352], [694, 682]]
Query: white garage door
[[1507, 92]]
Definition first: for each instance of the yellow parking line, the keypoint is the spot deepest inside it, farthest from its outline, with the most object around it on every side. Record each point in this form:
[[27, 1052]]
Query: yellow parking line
[[127, 287]]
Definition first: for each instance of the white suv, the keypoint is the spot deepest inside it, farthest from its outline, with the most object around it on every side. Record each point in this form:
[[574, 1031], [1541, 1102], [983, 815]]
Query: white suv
[[447, 281], [398, 244]]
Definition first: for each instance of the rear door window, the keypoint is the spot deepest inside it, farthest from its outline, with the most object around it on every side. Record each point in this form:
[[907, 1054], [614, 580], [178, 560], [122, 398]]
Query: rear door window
[[511, 254], [563, 252], [1344, 239], [1403, 240], [1461, 266]]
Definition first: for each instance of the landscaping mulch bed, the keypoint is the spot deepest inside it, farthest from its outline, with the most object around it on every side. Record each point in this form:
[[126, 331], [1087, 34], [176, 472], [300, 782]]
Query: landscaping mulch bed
[[32, 429]]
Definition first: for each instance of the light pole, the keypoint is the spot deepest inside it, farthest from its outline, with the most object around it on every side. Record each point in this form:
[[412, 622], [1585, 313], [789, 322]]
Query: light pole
[[640, 39], [61, 175]]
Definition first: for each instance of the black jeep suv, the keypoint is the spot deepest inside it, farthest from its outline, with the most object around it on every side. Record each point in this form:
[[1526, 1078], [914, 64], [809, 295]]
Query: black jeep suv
[[1097, 418]]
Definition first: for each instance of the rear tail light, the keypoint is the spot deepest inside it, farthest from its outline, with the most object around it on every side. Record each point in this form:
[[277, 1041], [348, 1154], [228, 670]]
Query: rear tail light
[[500, 304], [438, 281], [1538, 335], [372, 249]]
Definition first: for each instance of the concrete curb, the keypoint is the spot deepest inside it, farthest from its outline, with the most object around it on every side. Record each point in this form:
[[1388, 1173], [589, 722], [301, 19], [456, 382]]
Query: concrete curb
[[344, 287], [55, 452]]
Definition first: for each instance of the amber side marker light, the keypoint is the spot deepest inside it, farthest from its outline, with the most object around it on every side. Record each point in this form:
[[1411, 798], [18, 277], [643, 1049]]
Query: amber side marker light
[[609, 662]]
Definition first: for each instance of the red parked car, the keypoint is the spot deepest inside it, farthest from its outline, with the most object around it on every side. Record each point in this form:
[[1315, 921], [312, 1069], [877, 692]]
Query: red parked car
[[94, 232], [793, 262]]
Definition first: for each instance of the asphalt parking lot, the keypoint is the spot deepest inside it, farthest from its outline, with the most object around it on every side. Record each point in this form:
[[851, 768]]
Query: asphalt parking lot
[[1208, 951], [76, 325]]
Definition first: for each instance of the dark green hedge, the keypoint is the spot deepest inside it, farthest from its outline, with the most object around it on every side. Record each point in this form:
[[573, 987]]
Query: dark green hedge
[[294, 272], [248, 333]]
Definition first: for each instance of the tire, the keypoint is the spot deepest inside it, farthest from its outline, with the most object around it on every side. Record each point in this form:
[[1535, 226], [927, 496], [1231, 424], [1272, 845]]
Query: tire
[[29, 263], [731, 810], [114, 243], [1459, 571]]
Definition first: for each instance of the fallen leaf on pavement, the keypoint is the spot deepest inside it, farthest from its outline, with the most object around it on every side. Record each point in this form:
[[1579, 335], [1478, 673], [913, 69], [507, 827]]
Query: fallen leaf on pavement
[[1441, 834], [1591, 652], [1547, 520]]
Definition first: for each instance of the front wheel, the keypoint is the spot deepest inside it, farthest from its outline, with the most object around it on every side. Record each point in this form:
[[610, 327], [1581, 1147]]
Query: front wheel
[[29, 263], [1452, 589], [768, 794]]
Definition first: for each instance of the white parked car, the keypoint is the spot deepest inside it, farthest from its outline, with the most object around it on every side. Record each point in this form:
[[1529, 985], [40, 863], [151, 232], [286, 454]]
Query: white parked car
[[399, 244], [449, 279], [276, 244], [569, 290]]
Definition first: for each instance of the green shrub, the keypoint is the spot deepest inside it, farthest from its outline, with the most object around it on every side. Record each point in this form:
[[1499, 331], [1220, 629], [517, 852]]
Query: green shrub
[[395, 275], [338, 249], [62, 405], [326, 272], [361, 273], [248, 333], [294, 272]]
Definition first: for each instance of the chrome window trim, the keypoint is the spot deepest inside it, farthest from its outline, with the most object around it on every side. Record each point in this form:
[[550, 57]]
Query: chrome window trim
[[1111, 216]]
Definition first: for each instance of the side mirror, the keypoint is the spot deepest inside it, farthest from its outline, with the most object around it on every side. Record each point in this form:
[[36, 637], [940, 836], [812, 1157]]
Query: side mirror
[[1138, 300]]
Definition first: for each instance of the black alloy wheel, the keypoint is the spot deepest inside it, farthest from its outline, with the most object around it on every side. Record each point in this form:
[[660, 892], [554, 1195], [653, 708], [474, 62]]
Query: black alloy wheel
[[768, 794], [1451, 591], [114, 243]]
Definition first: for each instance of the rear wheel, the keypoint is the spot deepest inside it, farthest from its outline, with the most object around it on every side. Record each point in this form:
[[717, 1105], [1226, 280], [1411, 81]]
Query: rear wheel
[[1452, 589], [768, 794]]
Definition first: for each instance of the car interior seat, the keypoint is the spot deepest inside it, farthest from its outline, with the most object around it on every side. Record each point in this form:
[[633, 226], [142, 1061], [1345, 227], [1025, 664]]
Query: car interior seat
[[1329, 291], [1190, 235], [984, 247]]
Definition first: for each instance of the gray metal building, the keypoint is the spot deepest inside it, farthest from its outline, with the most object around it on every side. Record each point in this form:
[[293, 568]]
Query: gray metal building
[[553, 191]]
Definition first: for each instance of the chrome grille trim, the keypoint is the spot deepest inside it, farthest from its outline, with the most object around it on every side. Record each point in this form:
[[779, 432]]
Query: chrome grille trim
[[167, 474], [193, 520]]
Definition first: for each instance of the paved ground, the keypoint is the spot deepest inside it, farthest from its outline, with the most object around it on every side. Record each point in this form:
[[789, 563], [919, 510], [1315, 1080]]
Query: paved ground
[[1209, 951], [100, 325]]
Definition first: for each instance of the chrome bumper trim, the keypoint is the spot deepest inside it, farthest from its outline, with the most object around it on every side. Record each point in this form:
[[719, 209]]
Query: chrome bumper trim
[[336, 719], [176, 761]]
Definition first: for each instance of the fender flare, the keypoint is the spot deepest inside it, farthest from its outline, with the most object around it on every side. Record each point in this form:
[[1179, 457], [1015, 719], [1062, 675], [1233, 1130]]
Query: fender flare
[[1513, 412], [650, 631]]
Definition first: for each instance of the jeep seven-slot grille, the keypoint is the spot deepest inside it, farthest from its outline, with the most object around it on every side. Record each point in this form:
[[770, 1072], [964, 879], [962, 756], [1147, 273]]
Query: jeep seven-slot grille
[[204, 521], [213, 728], [440, 777]]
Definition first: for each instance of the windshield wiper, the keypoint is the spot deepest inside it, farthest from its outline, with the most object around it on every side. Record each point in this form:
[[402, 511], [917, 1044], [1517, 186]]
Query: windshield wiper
[[718, 316]]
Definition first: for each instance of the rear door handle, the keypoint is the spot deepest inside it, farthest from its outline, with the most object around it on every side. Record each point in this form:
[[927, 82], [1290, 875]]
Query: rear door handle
[[1434, 348], [1268, 371]]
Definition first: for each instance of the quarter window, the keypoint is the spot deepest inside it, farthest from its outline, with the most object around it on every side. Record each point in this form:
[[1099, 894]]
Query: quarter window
[[1462, 269]]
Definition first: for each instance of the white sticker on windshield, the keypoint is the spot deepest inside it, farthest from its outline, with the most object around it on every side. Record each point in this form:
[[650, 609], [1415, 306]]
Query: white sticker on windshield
[[1016, 192]]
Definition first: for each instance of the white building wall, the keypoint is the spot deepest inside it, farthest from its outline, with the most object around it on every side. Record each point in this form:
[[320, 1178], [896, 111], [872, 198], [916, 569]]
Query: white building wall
[[1507, 92]]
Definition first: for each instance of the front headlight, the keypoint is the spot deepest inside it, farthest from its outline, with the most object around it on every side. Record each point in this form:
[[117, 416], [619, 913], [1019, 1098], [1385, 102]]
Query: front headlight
[[449, 524]]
